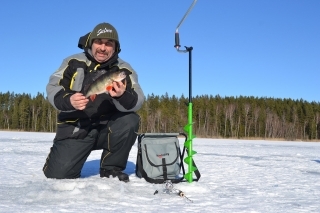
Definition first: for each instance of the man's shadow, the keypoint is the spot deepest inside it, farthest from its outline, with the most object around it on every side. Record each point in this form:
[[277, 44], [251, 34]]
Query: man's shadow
[[92, 168]]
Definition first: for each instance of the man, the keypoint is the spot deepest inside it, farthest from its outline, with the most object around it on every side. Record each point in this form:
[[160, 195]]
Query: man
[[108, 122]]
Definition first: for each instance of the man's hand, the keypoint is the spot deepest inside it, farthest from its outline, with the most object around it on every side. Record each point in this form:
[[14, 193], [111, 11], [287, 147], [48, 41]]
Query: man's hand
[[79, 101], [118, 89]]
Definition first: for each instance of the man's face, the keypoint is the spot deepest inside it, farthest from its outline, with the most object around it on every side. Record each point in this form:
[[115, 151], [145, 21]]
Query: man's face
[[102, 49]]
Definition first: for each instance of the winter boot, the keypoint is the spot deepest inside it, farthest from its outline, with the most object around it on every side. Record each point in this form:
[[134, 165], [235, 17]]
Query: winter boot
[[115, 173]]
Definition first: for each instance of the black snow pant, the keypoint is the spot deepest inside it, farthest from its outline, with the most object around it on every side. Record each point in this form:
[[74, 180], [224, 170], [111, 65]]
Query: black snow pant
[[116, 138]]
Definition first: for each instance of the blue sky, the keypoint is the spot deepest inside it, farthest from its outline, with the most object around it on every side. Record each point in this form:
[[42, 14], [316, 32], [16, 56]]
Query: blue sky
[[257, 48]]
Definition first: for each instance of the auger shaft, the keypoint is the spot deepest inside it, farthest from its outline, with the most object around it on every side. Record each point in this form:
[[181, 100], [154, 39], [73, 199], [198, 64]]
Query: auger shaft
[[188, 128]]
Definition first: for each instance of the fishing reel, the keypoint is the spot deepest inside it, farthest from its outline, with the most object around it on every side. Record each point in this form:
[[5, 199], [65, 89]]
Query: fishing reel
[[168, 188]]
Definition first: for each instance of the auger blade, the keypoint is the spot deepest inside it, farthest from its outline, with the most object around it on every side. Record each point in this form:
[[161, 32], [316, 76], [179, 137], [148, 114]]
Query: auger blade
[[187, 128], [189, 177], [192, 153], [187, 143]]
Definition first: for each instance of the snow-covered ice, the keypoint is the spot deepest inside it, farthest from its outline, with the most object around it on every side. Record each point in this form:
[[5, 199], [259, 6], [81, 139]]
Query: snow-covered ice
[[236, 176]]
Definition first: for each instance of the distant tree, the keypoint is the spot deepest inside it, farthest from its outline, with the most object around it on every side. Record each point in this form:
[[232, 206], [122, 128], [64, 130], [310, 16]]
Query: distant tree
[[213, 116]]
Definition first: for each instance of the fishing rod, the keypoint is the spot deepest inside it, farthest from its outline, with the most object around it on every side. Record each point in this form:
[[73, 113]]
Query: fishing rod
[[188, 128]]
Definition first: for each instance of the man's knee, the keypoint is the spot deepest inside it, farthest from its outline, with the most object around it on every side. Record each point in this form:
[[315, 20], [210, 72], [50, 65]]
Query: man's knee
[[55, 168], [49, 173], [59, 172]]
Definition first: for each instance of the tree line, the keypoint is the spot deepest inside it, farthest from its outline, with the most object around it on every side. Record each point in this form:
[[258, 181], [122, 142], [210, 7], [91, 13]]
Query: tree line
[[213, 116]]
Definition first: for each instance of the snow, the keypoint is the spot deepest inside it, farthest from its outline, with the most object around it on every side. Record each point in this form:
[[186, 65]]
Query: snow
[[236, 176]]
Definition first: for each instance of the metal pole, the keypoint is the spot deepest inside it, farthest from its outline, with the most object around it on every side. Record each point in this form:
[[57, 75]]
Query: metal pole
[[189, 49]]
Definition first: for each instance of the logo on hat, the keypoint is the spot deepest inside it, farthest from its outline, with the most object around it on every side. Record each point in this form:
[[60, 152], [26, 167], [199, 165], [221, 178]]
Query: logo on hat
[[105, 30]]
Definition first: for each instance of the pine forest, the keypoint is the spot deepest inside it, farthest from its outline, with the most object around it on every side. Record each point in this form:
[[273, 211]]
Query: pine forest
[[213, 116]]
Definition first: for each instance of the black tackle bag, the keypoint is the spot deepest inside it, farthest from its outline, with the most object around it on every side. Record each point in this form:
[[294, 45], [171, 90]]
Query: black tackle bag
[[159, 158]]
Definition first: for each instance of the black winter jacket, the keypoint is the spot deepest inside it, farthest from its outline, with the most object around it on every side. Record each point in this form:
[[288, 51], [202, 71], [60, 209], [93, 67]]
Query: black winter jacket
[[73, 75]]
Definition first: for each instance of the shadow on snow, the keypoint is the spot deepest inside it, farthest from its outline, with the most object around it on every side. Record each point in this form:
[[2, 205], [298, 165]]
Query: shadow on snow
[[91, 168]]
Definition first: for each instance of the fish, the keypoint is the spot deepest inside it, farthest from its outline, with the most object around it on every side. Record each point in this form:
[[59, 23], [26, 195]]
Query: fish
[[104, 83]]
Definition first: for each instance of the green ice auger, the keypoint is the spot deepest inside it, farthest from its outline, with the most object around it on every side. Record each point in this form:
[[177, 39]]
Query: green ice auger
[[188, 128]]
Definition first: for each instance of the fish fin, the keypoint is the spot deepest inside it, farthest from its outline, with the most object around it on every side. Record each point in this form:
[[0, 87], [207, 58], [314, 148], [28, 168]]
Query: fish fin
[[92, 97], [108, 88]]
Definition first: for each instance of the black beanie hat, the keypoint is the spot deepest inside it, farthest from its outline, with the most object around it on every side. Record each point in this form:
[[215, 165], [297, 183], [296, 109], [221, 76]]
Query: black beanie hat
[[104, 30]]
